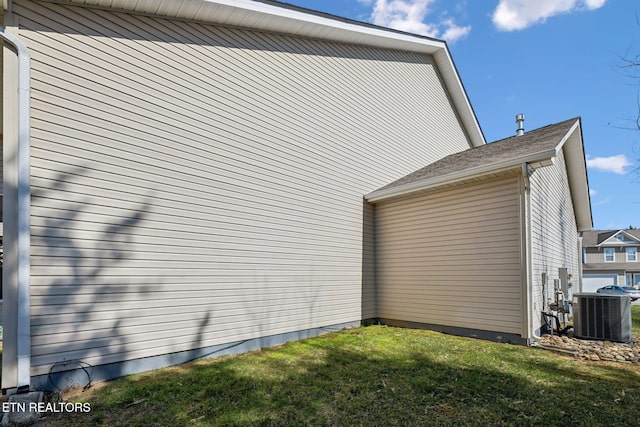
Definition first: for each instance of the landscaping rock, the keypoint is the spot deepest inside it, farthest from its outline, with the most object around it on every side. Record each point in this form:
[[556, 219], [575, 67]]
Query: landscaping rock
[[592, 350]]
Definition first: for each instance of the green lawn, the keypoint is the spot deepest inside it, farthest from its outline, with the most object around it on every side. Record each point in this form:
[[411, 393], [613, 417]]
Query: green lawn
[[374, 376]]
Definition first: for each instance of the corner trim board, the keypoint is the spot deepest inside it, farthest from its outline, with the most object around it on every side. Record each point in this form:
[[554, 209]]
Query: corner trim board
[[23, 324]]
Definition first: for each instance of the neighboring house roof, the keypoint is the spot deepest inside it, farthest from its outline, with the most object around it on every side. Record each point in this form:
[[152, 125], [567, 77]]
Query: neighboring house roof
[[597, 237], [273, 16], [536, 148]]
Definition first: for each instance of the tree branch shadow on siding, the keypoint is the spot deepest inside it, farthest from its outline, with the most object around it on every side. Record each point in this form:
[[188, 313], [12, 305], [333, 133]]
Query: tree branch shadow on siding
[[83, 297], [75, 289], [267, 322]]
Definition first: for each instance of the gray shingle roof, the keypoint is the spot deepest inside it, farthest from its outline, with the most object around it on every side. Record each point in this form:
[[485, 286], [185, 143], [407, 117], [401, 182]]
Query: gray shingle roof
[[535, 141]]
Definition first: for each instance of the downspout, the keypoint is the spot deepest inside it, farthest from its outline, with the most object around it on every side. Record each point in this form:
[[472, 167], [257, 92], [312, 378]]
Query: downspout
[[526, 249], [23, 326]]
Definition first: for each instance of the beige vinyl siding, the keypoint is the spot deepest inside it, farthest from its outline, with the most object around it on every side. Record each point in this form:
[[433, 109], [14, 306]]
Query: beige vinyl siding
[[196, 185], [554, 235], [596, 255], [452, 257]]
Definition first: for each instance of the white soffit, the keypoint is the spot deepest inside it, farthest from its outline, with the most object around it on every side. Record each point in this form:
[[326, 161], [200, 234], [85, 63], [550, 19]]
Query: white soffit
[[296, 21]]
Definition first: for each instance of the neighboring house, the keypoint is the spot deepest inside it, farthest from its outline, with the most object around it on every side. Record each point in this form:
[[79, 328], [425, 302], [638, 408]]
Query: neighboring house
[[610, 257], [189, 180], [463, 243]]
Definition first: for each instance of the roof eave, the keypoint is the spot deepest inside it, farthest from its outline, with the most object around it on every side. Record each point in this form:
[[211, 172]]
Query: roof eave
[[575, 164], [540, 159]]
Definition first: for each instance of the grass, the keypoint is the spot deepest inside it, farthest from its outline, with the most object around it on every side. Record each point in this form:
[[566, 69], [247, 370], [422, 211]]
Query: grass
[[373, 376]]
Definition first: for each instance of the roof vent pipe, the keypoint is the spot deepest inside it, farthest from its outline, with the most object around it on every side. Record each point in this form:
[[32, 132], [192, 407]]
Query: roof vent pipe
[[520, 122]]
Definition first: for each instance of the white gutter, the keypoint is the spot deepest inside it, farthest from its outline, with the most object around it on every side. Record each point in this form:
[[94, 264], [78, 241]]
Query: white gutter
[[534, 160], [23, 326]]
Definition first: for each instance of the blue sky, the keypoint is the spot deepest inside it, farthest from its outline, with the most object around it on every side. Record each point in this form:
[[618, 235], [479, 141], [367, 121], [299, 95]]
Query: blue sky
[[549, 59]]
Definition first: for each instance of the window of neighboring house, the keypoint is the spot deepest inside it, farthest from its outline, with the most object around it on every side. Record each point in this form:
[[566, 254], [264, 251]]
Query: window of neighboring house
[[584, 255], [609, 255], [632, 254], [620, 237]]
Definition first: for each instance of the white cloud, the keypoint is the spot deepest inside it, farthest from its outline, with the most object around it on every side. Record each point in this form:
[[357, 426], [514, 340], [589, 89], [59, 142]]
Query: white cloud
[[594, 4], [404, 15], [603, 202], [615, 164], [592, 192], [511, 15], [454, 32], [410, 16]]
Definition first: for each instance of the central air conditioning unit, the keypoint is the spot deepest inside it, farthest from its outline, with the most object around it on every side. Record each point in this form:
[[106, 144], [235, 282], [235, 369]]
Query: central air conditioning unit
[[602, 317]]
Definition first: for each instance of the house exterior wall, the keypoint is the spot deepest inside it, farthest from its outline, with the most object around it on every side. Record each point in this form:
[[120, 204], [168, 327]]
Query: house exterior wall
[[554, 235], [452, 257], [596, 255], [195, 185]]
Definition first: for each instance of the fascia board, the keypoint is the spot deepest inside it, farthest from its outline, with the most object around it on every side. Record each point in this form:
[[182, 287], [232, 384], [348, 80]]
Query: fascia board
[[458, 93], [578, 178], [281, 18], [565, 138], [543, 158]]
